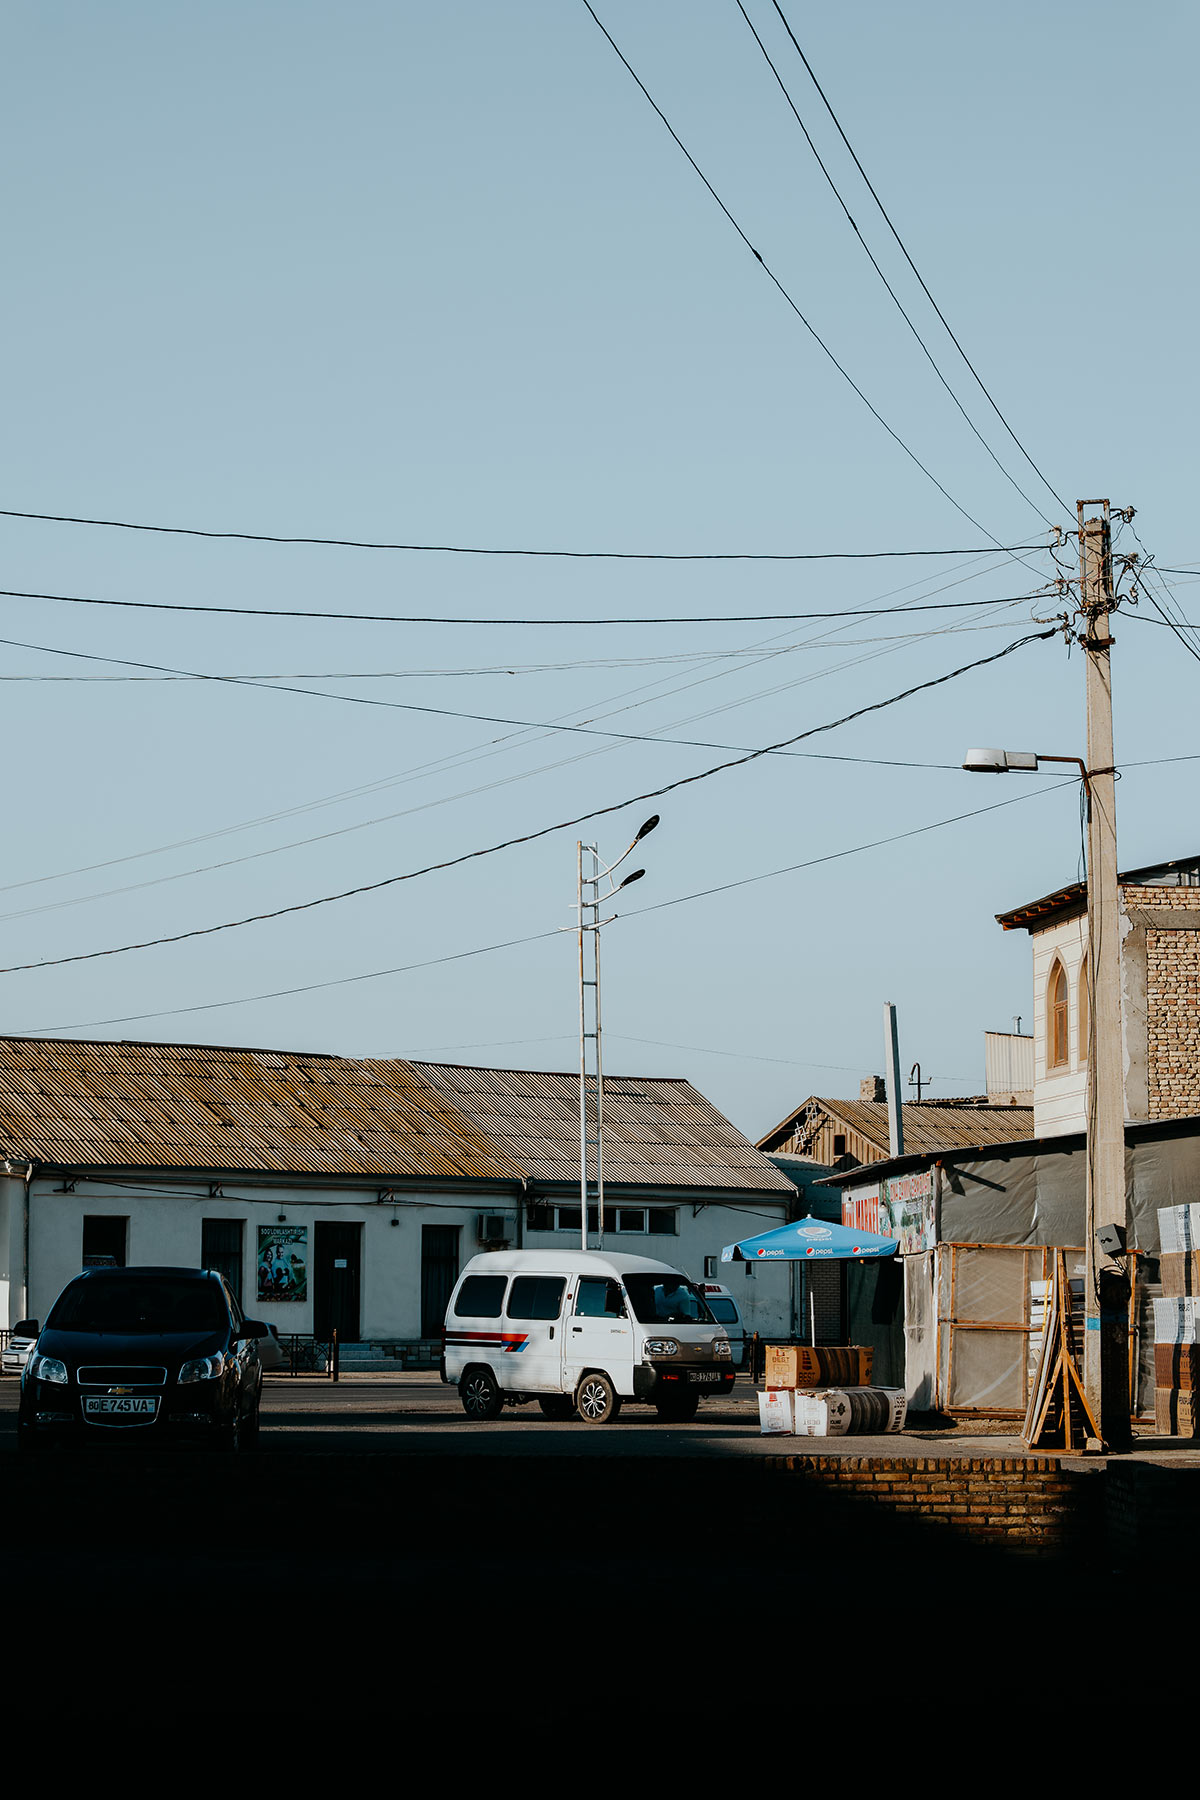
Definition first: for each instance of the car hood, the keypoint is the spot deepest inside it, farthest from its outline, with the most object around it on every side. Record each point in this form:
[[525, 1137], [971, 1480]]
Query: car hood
[[169, 1347]]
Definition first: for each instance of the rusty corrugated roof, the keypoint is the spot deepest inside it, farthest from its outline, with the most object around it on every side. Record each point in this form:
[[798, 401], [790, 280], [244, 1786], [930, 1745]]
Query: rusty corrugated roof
[[926, 1127], [657, 1131], [205, 1107]]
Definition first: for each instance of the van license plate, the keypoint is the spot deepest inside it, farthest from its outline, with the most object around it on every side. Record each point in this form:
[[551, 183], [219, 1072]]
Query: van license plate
[[120, 1405], [704, 1375]]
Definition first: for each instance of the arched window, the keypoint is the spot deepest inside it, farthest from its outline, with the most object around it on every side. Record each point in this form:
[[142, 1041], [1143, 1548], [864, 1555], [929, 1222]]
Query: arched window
[[1084, 1013], [1057, 1018]]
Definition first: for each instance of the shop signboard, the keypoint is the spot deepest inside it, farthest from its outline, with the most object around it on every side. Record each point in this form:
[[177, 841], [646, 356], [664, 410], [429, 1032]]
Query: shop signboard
[[909, 1203], [861, 1210], [283, 1262], [899, 1206]]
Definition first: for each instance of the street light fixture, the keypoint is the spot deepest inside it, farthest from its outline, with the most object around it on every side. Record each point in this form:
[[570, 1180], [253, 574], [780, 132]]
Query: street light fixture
[[591, 1068]]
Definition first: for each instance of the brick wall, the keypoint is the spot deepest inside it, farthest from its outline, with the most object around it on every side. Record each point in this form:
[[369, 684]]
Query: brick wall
[[1172, 1007], [1013, 1502]]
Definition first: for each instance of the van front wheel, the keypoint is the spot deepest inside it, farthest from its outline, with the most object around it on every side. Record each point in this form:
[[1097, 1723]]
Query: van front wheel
[[597, 1400], [480, 1395]]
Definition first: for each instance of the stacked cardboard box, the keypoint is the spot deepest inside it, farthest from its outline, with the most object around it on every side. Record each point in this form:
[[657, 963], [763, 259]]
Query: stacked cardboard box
[[1177, 1324], [825, 1391]]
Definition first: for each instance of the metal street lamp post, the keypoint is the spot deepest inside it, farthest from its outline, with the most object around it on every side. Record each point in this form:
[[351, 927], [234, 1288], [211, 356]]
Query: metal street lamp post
[[589, 901]]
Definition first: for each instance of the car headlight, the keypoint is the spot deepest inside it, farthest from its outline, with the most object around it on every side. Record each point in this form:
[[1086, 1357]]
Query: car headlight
[[207, 1368], [48, 1368], [720, 1347], [661, 1347]]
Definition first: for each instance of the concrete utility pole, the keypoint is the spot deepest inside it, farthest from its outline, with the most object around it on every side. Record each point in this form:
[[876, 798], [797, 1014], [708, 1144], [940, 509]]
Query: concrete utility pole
[[891, 1054], [1105, 1344]]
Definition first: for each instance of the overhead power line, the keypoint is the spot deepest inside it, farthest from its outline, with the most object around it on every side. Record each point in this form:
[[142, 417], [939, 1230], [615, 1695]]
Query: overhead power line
[[539, 937], [528, 837], [410, 706], [337, 543], [778, 284], [912, 265], [351, 618], [896, 300]]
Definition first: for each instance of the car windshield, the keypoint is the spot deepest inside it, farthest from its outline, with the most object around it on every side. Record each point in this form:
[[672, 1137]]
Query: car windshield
[[666, 1300], [133, 1307]]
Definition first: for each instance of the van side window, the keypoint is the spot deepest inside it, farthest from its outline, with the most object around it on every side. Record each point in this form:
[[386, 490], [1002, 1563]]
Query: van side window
[[481, 1297], [536, 1297], [598, 1298]]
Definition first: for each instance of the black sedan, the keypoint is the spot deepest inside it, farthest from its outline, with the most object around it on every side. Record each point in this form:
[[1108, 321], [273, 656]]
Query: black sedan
[[144, 1354]]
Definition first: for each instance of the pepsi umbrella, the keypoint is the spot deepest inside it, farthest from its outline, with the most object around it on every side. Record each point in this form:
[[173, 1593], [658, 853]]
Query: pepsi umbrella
[[810, 1240]]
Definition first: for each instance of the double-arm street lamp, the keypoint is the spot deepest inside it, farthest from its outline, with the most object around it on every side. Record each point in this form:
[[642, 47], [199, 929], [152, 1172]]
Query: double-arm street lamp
[[589, 901]]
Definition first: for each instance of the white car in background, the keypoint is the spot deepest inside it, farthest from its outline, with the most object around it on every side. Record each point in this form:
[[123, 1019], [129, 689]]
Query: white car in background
[[270, 1351], [16, 1353], [724, 1309]]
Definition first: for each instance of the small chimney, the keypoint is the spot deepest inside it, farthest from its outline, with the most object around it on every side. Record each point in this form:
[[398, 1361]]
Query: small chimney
[[873, 1088]]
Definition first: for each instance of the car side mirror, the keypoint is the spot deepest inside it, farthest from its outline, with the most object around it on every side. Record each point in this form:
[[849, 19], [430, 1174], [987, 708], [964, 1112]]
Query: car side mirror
[[26, 1328], [254, 1328]]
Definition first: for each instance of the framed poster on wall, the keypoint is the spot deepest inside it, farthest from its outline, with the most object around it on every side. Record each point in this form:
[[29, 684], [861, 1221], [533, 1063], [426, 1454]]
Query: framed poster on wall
[[283, 1262]]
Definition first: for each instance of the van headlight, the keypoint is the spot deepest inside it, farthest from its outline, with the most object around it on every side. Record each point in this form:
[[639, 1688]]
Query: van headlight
[[661, 1347], [720, 1347]]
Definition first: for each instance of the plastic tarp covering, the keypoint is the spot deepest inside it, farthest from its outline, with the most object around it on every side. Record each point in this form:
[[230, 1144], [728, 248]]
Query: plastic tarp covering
[[984, 1290], [920, 1331], [1019, 1197]]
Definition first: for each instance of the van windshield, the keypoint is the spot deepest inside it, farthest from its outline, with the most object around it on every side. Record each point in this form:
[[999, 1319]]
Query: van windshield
[[666, 1300]]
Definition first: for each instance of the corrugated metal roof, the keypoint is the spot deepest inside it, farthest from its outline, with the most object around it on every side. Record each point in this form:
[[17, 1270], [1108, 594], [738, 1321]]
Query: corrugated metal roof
[[936, 1127], [205, 1107], [656, 1131], [931, 1126]]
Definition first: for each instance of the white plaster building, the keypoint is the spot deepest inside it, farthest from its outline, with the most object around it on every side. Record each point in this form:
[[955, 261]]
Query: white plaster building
[[336, 1192]]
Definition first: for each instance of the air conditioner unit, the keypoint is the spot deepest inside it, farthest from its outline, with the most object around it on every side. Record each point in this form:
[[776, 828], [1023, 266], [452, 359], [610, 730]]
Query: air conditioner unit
[[492, 1228]]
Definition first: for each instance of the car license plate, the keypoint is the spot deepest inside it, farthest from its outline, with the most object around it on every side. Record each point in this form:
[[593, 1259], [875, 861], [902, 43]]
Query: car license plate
[[704, 1374], [106, 1406]]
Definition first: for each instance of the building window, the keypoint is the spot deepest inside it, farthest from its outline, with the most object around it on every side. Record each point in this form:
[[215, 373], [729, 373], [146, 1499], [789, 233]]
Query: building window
[[637, 1221], [104, 1243], [221, 1249], [1057, 1018], [839, 1144], [1085, 1014]]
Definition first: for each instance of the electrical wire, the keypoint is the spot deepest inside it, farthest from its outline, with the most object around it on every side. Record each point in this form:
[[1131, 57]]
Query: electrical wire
[[262, 537], [701, 657], [410, 706], [1069, 510], [538, 937], [778, 284], [476, 753], [896, 300], [264, 612], [541, 832]]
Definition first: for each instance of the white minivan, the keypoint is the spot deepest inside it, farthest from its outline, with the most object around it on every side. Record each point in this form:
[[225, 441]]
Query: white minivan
[[579, 1331]]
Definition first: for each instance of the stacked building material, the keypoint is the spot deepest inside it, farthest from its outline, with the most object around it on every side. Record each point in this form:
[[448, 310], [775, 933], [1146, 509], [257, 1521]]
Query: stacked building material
[[1177, 1324], [825, 1391]]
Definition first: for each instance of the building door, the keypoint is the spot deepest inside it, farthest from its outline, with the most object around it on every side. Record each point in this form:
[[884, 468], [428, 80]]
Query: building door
[[221, 1249], [337, 1256], [439, 1272]]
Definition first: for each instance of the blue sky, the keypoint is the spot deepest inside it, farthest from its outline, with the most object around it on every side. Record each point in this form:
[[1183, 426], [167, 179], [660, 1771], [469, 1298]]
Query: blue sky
[[438, 275]]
